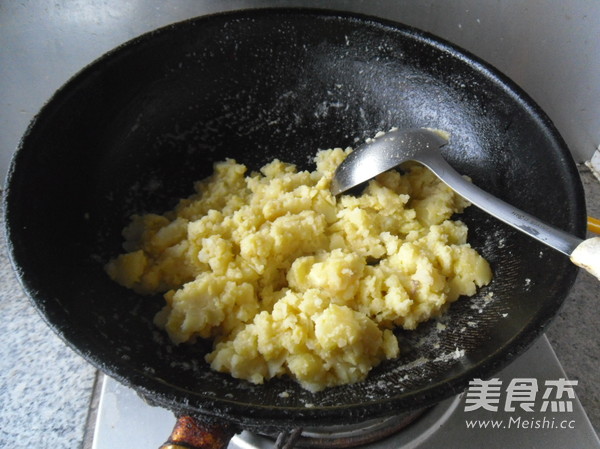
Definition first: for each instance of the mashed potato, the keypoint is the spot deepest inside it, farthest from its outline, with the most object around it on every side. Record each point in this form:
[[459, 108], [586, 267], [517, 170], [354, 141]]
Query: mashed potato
[[289, 280]]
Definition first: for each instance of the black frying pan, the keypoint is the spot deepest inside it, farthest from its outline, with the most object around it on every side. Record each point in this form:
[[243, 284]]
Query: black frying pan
[[131, 132]]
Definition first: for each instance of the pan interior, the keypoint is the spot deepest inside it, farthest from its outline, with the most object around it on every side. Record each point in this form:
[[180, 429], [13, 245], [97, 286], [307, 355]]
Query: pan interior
[[133, 131]]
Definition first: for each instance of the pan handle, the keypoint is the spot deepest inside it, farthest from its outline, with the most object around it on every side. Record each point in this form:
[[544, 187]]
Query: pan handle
[[593, 225], [191, 433]]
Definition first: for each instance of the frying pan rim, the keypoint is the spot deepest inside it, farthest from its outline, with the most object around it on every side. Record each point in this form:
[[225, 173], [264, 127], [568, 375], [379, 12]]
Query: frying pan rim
[[163, 394]]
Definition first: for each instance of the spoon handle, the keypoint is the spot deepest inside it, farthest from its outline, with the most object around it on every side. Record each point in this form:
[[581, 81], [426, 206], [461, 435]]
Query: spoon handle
[[583, 253], [530, 225]]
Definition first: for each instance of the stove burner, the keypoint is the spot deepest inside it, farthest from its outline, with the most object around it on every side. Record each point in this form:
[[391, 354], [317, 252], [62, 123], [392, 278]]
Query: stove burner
[[345, 436], [401, 431]]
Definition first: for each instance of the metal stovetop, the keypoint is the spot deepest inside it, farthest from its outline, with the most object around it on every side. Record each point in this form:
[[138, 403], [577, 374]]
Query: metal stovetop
[[545, 419]]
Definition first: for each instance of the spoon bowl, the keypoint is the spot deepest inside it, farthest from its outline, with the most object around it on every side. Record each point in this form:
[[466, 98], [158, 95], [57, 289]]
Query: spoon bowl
[[422, 145]]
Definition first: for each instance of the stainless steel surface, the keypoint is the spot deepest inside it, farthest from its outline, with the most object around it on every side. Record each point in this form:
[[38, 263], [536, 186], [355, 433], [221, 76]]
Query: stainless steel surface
[[124, 420], [395, 147]]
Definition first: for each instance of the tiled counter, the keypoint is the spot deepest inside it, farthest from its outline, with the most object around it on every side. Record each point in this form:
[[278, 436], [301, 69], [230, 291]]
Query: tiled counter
[[45, 388]]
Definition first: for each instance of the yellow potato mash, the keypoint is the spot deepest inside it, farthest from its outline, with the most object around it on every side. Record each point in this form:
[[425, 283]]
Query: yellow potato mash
[[289, 280]]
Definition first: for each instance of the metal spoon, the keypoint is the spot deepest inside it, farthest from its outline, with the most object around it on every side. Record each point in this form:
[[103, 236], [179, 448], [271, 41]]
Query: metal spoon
[[422, 145]]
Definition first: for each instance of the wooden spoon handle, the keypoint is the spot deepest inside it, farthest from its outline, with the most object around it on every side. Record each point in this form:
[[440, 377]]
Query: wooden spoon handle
[[587, 256]]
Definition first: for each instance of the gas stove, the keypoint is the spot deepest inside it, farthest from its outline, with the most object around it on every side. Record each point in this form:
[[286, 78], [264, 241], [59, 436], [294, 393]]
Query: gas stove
[[528, 404]]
